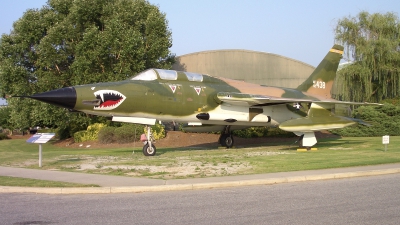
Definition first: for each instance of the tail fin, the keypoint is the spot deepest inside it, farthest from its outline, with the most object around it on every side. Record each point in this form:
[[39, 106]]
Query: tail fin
[[320, 82]]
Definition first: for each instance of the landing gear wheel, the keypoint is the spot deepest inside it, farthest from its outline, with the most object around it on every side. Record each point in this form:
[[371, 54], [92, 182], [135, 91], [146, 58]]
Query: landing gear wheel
[[221, 140], [226, 140], [149, 151]]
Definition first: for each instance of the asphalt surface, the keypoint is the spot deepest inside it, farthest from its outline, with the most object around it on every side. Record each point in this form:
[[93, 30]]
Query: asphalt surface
[[120, 184], [364, 200]]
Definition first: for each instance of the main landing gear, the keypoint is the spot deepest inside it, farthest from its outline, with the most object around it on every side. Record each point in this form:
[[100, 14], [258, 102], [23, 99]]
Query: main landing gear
[[306, 140], [226, 138], [149, 149]]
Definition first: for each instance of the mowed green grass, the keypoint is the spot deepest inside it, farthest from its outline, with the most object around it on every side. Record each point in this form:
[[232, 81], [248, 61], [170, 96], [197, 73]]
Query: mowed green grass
[[26, 182], [266, 158]]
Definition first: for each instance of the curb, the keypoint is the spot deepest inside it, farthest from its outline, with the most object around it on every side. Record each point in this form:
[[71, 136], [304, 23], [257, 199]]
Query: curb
[[199, 186]]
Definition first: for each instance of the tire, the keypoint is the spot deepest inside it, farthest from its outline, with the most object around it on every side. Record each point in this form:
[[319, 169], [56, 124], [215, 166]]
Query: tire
[[222, 138], [226, 140], [147, 151]]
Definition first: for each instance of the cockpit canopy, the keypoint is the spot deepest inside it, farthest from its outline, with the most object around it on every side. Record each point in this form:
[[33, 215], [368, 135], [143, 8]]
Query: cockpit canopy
[[151, 74], [146, 75]]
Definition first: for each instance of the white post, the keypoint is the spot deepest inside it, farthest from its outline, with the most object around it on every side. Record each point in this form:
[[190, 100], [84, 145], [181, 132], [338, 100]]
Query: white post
[[40, 155], [385, 141]]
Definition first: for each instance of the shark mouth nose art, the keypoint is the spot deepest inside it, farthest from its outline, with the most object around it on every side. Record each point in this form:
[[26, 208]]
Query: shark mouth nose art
[[109, 99]]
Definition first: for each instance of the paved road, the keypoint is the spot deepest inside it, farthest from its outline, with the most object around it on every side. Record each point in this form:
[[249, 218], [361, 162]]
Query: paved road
[[365, 200], [120, 184]]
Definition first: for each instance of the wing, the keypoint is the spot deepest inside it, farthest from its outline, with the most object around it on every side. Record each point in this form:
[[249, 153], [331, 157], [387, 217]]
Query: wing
[[243, 99]]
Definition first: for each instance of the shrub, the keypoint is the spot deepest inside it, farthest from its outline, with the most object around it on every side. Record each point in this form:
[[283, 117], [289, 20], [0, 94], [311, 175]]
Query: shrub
[[3, 136], [158, 131], [47, 130], [63, 133], [251, 132], [262, 132], [277, 132], [385, 120], [106, 135], [90, 134], [80, 136], [128, 133]]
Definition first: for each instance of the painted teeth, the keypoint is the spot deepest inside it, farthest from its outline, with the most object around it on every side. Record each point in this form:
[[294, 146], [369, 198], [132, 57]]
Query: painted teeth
[[106, 97]]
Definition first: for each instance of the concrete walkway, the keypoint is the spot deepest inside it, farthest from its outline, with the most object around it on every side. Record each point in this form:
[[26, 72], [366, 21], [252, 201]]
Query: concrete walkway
[[120, 184]]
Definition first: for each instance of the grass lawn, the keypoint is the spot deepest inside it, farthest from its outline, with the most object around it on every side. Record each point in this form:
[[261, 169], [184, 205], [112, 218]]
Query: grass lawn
[[171, 163], [26, 182]]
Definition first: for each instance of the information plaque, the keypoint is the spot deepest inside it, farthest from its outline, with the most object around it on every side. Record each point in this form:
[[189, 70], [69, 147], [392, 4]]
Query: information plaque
[[40, 138]]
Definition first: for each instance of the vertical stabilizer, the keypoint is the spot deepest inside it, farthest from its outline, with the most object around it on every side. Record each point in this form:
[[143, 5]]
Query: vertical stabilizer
[[320, 82]]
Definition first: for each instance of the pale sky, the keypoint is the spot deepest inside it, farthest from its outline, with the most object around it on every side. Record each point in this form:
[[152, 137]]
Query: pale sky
[[301, 30]]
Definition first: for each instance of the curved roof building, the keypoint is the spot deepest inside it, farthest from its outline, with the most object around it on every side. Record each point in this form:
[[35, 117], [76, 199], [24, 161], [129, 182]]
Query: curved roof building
[[251, 66]]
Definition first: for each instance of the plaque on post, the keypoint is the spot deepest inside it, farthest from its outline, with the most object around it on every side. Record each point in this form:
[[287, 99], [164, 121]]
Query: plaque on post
[[40, 138]]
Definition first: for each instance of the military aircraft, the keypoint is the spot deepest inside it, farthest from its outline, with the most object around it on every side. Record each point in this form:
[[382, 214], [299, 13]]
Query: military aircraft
[[212, 103]]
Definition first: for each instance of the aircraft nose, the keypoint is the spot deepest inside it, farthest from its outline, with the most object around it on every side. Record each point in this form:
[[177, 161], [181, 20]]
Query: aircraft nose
[[64, 97]]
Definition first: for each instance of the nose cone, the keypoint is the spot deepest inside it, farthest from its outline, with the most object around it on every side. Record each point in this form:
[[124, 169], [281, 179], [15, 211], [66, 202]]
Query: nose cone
[[63, 97]]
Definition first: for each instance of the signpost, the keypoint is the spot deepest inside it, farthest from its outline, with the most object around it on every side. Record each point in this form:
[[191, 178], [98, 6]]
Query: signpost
[[385, 141], [40, 138]]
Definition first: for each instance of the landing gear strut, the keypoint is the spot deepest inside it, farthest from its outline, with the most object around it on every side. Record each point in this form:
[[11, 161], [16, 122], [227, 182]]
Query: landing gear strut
[[226, 138], [149, 149]]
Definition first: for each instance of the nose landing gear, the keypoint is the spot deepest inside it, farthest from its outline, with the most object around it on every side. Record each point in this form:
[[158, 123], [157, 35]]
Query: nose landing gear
[[149, 149]]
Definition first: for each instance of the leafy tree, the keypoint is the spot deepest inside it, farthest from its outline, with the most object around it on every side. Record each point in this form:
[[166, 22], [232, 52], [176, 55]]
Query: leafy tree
[[372, 42], [4, 117], [68, 43]]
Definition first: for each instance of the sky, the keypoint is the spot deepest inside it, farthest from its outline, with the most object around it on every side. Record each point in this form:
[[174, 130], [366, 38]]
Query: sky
[[301, 30]]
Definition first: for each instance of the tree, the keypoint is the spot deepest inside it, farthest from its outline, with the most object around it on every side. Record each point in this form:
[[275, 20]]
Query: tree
[[68, 43], [372, 42], [4, 117]]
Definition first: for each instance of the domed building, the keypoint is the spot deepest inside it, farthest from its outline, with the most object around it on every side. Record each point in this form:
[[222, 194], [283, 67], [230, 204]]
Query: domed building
[[250, 66]]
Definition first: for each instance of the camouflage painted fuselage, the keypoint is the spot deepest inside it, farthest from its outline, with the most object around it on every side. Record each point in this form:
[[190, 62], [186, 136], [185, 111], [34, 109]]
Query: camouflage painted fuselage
[[182, 100], [197, 99]]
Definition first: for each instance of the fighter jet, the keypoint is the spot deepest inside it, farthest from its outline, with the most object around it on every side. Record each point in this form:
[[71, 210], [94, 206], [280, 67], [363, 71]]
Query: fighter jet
[[212, 103]]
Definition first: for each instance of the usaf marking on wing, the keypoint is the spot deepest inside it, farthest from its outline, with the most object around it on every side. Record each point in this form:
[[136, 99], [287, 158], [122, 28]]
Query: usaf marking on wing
[[224, 104]]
